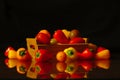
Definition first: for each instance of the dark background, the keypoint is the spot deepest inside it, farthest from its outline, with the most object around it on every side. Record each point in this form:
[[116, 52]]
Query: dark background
[[96, 19]]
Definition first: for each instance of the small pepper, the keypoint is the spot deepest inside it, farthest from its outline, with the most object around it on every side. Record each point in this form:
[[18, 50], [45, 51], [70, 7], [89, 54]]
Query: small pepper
[[71, 52], [71, 67], [43, 55], [10, 63], [43, 67], [86, 54], [100, 48], [60, 37], [22, 66], [23, 54], [104, 54], [77, 40], [10, 52]]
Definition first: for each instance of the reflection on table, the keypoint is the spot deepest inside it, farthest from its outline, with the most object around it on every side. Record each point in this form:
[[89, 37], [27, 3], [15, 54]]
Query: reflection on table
[[57, 70]]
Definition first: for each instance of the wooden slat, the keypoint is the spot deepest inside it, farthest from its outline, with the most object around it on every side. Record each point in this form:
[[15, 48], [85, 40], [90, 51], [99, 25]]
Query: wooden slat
[[32, 46]]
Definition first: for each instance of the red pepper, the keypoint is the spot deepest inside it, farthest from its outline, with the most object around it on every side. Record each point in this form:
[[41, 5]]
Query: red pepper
[[7, 50], [77, 40], [87, 65], [77, 75], [42, 38], [43, 67], [86, 54], [60, 37], [100, 48], [42, 55]]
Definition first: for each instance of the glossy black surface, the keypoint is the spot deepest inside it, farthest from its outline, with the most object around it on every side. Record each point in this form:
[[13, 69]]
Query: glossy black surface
[[111, 71]]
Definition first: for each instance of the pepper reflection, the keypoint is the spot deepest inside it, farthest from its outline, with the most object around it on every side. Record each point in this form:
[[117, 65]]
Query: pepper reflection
[[57, 70], [104, 64]]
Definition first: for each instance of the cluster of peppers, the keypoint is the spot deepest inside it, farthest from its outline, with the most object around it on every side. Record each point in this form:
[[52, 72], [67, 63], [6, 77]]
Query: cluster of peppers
[[86, 54], [58, 70], [73, 54], [20, 54], [19, 58], [73, 60], [22, 59], [70, 52], [43, 55], [62, 36]]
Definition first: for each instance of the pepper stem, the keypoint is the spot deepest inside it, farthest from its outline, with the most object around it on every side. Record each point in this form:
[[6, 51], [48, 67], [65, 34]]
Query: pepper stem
[[70, 52], [37, 54], [22, 68], [22, 53], [70, 68]]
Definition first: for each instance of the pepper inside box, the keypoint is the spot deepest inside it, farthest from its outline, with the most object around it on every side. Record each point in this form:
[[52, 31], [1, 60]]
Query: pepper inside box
[[33, 46]]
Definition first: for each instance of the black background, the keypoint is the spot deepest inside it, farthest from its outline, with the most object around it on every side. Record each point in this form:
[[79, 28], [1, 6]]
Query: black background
[[96, 19]]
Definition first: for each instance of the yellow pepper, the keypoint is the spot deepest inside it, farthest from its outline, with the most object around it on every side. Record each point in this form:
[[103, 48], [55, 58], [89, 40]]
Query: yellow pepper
[[66, 32], [71, 53], [71, 67]]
